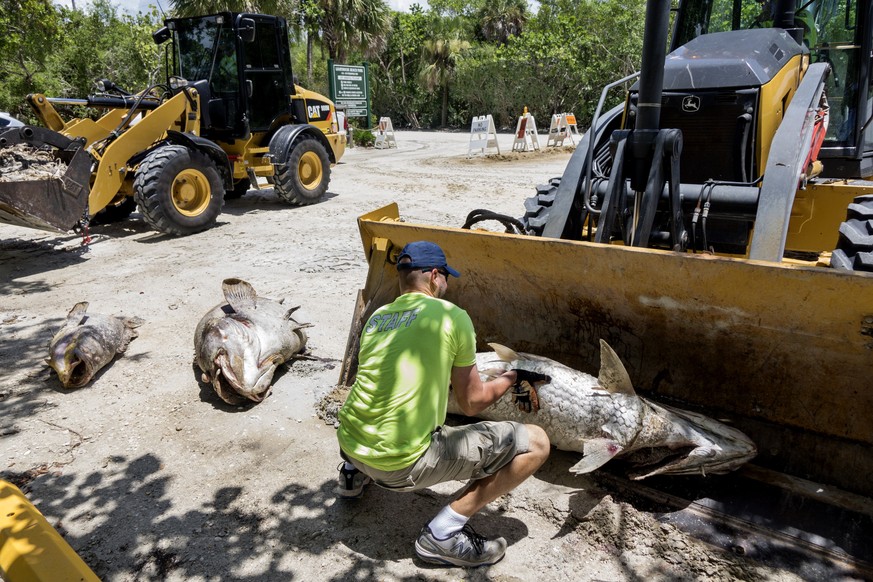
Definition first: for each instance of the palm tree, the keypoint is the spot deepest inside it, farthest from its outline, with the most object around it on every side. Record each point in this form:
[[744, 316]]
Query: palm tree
[[439, 59], [501, 19], [360, 24]]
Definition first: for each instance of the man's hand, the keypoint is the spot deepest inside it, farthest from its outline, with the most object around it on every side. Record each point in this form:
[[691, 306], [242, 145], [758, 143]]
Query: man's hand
[[524, 393]]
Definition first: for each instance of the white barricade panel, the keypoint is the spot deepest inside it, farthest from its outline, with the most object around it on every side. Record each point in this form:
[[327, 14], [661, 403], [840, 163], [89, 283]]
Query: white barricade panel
[[526, 138], [483, 135], [557, 131], [563, 127], [385, 134]]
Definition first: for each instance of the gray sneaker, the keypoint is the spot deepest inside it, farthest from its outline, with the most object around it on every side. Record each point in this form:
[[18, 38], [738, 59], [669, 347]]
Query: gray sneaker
[[464, 548], [351, 482]]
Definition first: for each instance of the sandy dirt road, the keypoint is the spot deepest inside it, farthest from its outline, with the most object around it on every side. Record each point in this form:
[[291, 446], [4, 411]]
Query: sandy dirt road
[[149, 476]]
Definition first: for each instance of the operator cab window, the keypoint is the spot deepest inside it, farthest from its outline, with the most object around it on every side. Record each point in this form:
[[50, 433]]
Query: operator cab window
[[829, 32]]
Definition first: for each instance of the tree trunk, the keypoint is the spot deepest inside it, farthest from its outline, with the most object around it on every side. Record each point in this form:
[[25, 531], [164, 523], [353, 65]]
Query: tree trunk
[[309, 59], [445, 111]]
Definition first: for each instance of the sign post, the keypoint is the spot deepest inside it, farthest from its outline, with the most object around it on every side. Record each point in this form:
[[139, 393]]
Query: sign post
[[350, 86]]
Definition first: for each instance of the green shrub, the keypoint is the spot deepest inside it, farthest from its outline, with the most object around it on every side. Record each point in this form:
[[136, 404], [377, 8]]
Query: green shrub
[[363, 137]]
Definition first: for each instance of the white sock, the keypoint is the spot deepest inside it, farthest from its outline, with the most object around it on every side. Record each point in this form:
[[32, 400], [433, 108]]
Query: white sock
[[350, 467], [447, 522]]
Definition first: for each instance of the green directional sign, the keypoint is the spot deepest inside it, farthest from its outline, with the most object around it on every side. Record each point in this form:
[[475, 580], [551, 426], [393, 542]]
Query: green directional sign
[[350, 86]]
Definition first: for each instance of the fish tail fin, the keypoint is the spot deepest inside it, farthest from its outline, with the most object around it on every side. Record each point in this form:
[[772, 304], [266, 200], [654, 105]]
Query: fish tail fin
[[504, 353], [613, 375], [130, 333], [597, 453], [238, 293], [130, 325]]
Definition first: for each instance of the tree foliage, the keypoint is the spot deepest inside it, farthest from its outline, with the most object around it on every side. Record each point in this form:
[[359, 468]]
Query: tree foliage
[[429, 67], [62, 52]]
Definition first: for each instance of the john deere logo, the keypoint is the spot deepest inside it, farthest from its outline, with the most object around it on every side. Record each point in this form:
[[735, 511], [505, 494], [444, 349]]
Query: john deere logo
[[691, 103]]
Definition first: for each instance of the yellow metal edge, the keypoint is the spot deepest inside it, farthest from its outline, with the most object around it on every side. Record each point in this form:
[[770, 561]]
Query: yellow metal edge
[[31, 550], [742, 339]]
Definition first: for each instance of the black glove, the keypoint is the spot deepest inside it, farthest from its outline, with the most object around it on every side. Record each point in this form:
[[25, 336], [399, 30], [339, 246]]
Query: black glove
[[524, 394], [530, 377]]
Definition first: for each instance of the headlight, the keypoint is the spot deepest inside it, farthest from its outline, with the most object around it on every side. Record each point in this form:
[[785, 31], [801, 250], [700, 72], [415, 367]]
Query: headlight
[[177, 83]]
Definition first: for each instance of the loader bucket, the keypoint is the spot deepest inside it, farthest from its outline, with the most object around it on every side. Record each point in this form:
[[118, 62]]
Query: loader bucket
[[54, 203], [782, 352]]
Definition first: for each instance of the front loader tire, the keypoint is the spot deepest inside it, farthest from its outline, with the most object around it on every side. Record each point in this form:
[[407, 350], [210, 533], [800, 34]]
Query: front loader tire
[[854, 250], [179, 190], [303, 177], [536, 208]]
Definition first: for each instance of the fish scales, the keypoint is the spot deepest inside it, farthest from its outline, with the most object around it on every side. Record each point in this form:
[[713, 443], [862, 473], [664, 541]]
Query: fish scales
[[568, 398], [87, 342], [604, 418], [239, 344]]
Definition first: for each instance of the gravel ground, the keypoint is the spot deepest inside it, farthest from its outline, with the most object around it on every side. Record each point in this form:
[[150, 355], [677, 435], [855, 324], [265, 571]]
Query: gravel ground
[[149, 476]]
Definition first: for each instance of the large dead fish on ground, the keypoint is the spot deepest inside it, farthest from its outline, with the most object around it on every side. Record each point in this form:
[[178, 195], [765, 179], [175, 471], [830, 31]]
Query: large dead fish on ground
[[239, 344], [87, 342], [603, 418]]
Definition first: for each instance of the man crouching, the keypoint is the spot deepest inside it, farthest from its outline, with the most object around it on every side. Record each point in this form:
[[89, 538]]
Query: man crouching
[[391, 425]]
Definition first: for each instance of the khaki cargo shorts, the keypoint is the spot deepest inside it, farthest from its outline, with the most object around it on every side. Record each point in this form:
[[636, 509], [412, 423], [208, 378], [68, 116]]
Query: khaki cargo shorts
[[457, 453]]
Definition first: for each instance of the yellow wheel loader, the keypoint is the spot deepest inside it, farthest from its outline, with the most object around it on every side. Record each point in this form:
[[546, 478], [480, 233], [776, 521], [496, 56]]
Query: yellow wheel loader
[[228, 114], [715, 228]]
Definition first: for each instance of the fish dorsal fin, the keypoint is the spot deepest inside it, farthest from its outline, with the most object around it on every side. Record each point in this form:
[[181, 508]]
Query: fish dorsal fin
[[290, 312], [76, 315], [613, 376], [504, 353], [238, 293]]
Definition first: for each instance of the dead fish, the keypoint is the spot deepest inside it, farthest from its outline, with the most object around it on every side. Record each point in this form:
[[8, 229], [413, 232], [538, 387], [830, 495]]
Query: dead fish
[[87, 342], [603, 418], [239, 344]]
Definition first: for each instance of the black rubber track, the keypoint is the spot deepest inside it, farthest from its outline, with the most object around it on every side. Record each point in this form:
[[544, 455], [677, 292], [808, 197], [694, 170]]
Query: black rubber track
[[854, 250], [287, 183], [153, 190]]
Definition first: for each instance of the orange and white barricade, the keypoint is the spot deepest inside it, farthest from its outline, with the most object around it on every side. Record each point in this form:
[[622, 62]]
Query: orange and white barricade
[[385, 134], [526, 138], [483, 135], [563, 127]]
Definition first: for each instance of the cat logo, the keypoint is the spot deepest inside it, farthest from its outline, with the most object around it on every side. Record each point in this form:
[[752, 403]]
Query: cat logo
[[314, 111]]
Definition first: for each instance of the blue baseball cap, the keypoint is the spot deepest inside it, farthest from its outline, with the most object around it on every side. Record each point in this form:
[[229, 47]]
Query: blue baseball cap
[[424, 255]]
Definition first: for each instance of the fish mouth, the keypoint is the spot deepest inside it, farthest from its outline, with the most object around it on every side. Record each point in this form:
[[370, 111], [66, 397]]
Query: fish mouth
[[232, 389], [73, 374]]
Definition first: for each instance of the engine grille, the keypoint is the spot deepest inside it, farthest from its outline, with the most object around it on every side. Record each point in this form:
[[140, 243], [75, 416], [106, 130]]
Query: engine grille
[[717, 140]]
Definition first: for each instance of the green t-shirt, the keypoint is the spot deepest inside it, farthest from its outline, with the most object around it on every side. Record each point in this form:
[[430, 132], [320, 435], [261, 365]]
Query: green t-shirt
[[401, 392]]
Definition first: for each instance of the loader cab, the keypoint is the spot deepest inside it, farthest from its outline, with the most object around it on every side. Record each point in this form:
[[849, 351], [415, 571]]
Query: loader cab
[[834, 31], [240, 65]]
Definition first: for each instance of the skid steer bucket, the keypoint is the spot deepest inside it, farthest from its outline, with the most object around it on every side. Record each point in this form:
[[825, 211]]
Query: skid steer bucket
[[784, 353], [42, 200]]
